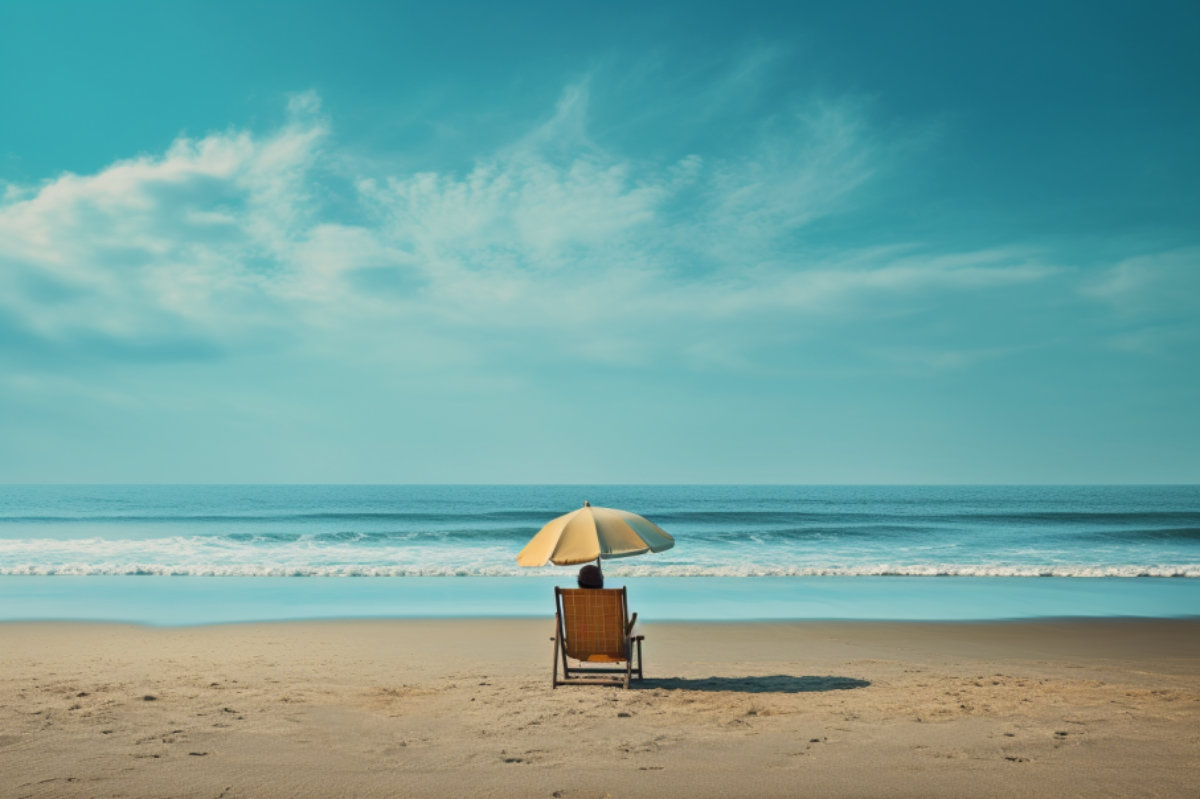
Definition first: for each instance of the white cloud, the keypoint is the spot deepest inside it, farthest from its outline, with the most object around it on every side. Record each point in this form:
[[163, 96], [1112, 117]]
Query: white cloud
[[834, 287], [1155, 300], [155, 244], [1160, 283], [599, 254]]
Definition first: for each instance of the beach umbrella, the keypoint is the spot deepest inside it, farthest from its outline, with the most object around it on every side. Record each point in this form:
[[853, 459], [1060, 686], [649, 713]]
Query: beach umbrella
[[591, 533]]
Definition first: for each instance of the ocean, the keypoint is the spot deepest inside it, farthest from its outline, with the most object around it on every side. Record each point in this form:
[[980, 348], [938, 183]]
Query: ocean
[[166, 554]]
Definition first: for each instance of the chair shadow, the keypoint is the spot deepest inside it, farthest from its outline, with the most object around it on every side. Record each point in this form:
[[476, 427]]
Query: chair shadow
[[772, 684]]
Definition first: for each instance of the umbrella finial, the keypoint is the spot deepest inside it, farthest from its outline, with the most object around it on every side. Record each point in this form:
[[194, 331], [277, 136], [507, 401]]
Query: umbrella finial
[[587, 504]]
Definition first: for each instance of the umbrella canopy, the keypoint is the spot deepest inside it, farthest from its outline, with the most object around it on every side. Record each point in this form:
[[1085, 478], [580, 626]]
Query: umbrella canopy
[[590, 533]]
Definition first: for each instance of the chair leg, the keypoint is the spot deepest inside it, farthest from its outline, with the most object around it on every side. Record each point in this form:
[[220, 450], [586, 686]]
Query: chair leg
[[562, 656], [554, 664]]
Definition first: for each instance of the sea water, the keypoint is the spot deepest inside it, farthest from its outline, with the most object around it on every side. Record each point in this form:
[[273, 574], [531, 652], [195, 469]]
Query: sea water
[[202, 554]]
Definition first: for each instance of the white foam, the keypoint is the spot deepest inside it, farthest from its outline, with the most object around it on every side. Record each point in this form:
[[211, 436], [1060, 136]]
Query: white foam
[[128, 568], [214, 556]]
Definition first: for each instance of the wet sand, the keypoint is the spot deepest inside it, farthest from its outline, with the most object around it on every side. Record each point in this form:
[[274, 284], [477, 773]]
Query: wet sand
[[465, 707]]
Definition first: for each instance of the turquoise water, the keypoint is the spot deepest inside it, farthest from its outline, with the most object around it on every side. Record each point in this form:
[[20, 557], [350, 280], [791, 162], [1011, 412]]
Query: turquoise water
[[211, 600], [197, 554]]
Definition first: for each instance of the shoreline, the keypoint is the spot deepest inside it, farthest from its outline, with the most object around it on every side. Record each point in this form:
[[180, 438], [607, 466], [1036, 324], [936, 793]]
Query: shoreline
[[441, 707], [1040, 621], [193, 600]]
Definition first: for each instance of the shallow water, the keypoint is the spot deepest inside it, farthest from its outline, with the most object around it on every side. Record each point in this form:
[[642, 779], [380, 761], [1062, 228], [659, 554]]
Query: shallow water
[[197, 554], [213, 600]]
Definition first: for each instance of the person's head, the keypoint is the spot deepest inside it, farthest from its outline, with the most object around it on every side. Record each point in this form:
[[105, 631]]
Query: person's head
[[590, 576]]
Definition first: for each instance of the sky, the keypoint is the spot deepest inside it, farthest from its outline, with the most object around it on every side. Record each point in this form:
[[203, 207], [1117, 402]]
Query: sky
[[376, 242]]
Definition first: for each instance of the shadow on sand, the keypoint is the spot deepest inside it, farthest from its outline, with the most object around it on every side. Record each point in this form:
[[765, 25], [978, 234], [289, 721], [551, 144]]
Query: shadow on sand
[[772, 684]]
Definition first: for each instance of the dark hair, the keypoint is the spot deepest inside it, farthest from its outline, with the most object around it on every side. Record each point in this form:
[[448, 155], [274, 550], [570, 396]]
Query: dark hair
[[590, 576]]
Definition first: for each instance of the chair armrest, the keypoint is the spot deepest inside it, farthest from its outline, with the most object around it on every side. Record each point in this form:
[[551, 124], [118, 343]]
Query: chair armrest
[[632, 621]]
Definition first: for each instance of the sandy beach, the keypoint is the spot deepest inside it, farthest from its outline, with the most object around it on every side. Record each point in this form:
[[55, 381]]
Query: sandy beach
[[464, 707]]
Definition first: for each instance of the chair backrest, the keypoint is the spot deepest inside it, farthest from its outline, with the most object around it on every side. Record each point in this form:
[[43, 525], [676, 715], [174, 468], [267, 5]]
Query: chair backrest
[[593, 621]]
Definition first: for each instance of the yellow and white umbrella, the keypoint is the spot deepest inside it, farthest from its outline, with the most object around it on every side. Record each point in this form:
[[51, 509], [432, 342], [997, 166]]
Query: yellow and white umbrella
[[592, 533]]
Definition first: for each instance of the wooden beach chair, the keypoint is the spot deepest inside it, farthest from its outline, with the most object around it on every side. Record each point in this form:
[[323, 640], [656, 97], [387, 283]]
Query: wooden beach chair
[[592, 626]]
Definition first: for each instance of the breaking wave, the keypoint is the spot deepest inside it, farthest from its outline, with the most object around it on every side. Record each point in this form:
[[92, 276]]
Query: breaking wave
[[747, 531], [345, 555]]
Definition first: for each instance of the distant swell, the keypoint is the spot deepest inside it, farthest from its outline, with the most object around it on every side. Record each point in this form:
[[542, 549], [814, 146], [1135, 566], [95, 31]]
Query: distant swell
[[535, 517], [1154, 534], [708, 525]]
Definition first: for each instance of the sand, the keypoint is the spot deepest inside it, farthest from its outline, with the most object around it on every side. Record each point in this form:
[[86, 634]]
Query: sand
[[465, 708]]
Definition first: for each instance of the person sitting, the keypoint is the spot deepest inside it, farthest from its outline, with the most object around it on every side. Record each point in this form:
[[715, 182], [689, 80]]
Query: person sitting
[[590, 576]]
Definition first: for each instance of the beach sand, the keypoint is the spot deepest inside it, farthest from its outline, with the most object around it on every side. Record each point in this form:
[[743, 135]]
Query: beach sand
[[465, 708]]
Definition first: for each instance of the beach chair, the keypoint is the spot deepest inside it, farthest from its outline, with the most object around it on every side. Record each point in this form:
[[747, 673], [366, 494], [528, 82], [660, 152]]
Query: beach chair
[[592, 626]]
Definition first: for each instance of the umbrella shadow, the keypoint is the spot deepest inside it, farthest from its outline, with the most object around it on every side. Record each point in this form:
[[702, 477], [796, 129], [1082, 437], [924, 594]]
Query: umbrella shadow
[[771, 684]]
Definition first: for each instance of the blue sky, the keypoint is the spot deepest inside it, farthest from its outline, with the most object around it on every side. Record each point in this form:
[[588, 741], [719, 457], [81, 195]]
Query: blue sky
[[565, 242]]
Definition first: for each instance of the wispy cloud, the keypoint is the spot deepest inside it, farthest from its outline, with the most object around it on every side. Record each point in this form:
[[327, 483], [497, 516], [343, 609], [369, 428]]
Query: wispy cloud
[[1158, 283], [1155, 299], [227, 241]]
